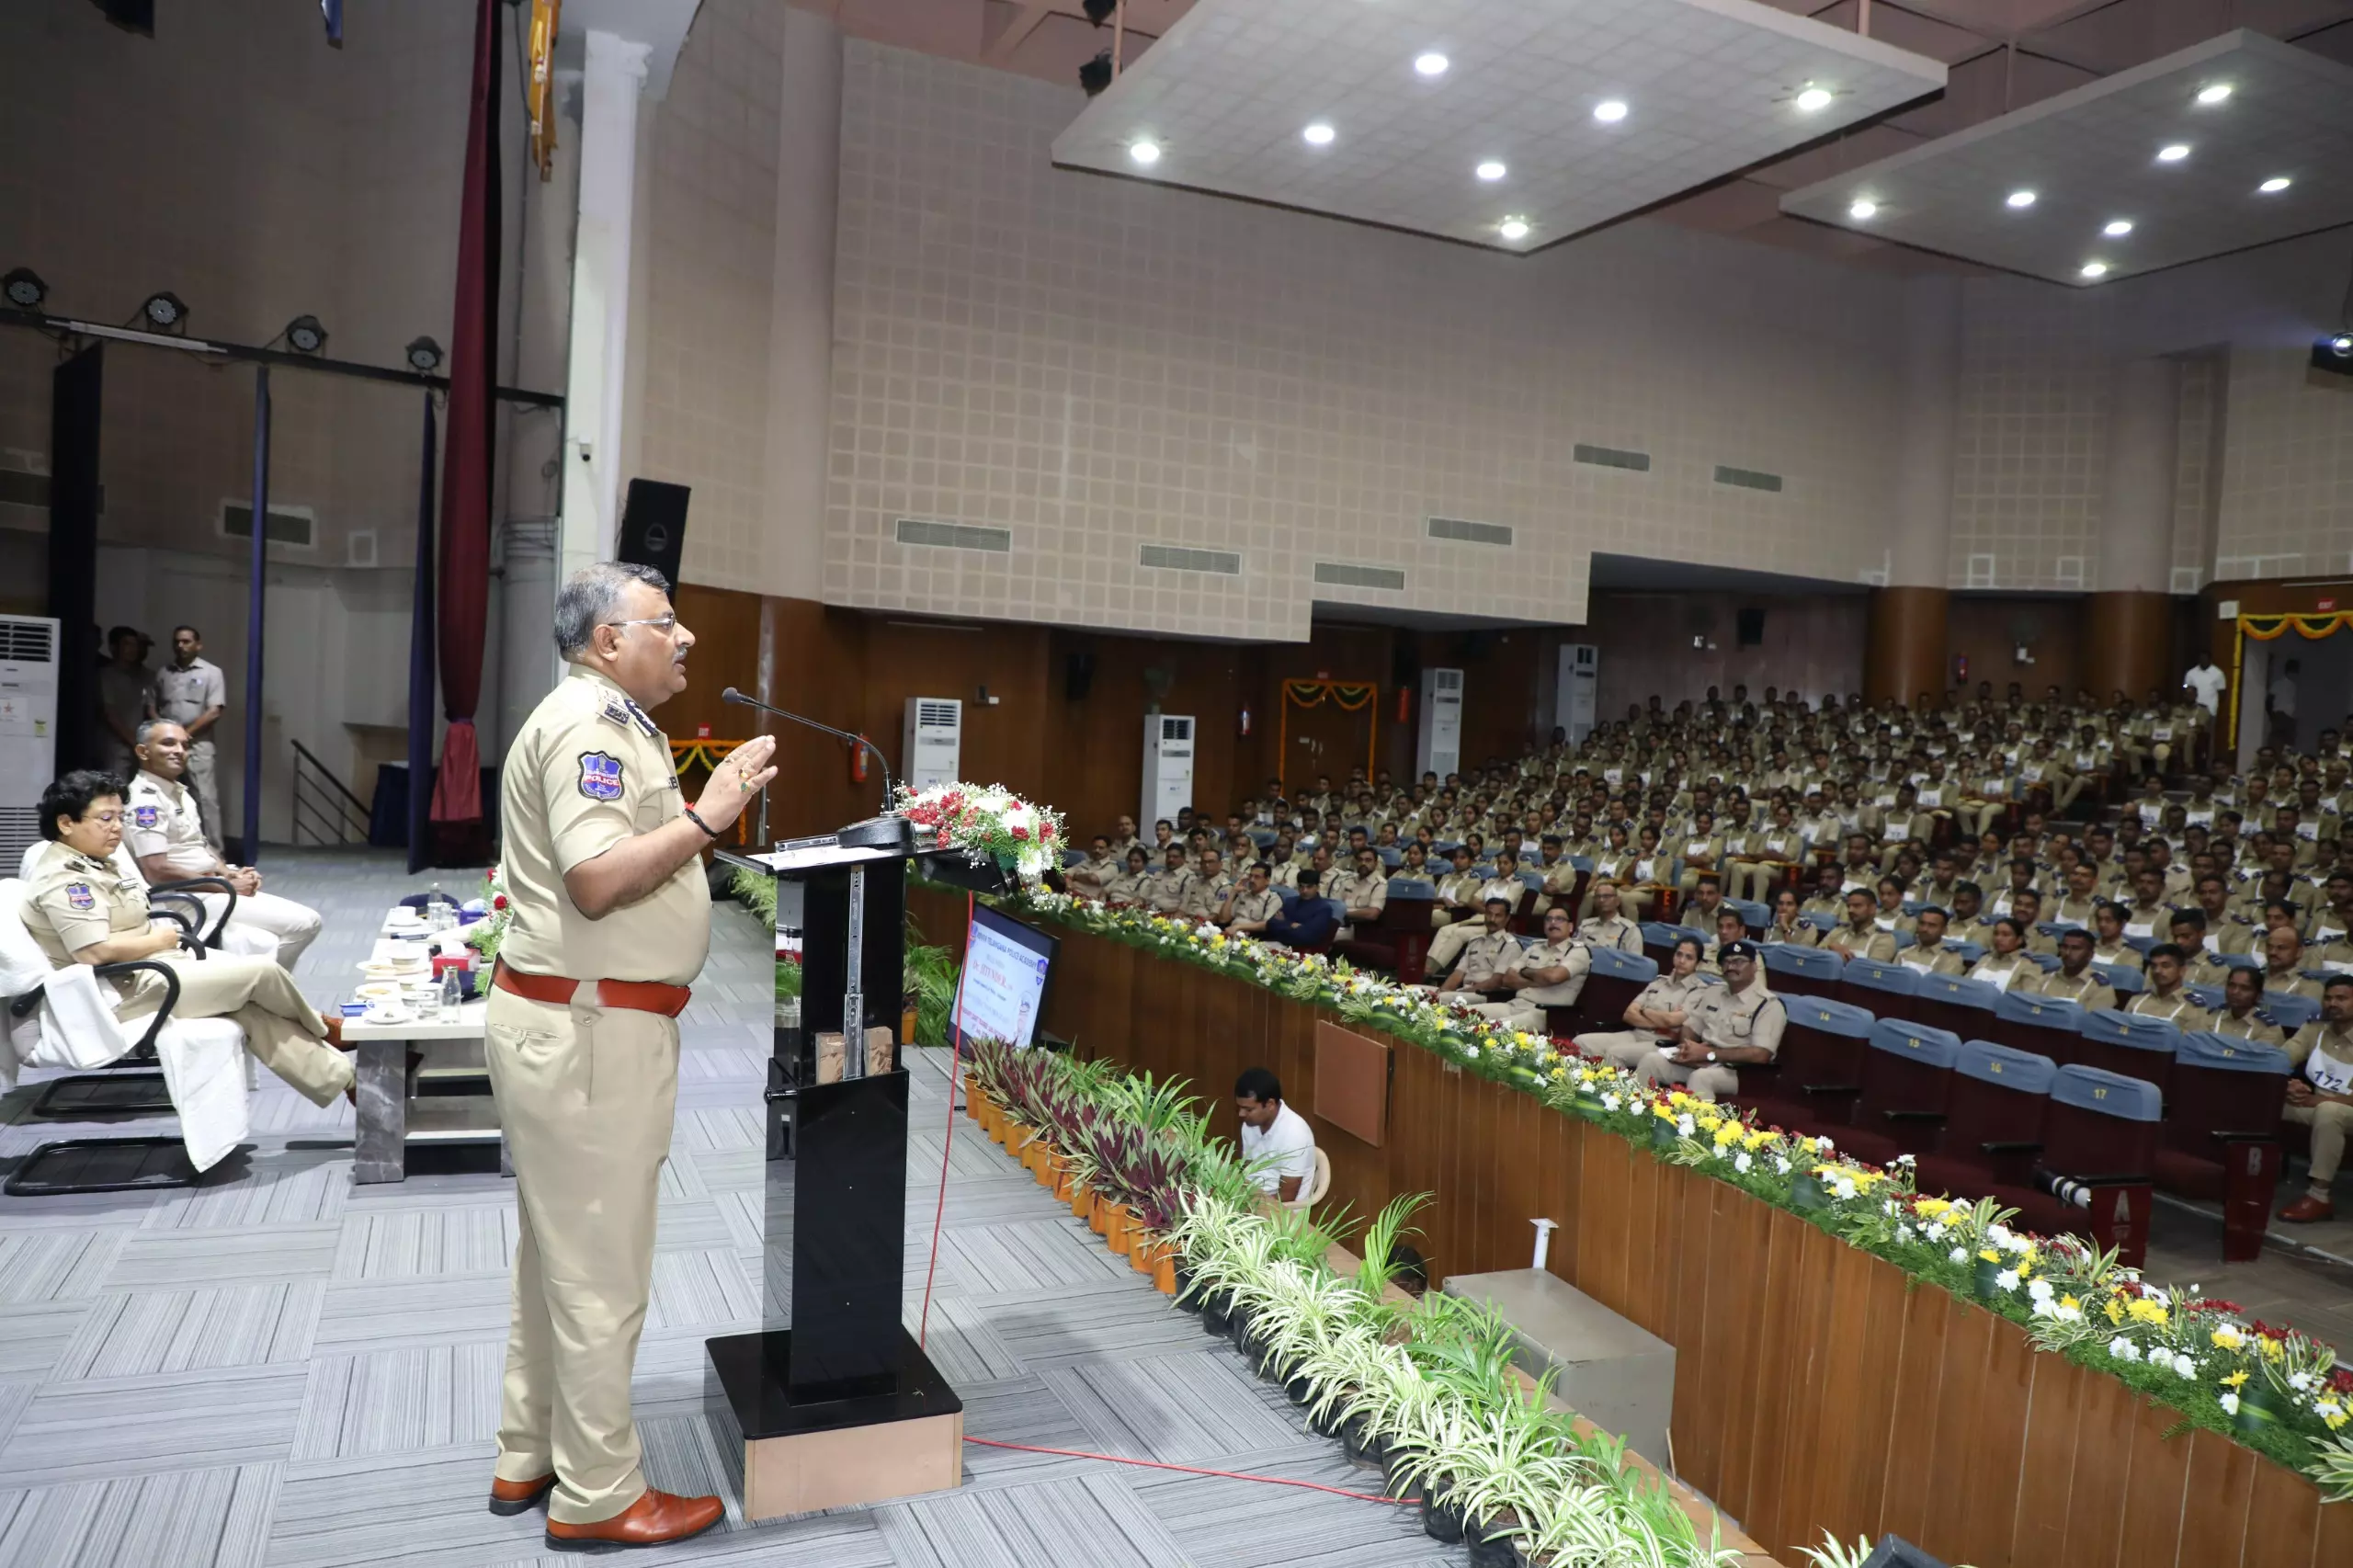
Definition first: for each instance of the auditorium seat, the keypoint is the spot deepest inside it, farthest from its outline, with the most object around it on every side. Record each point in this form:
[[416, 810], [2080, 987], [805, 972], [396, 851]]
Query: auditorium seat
[[1957, 1003], [2221, 1132], [2047, 1026], [1818, 1071], [1616, 978], [1999, 1098], [1400, 940], [1908, 1084], [1801, 972], [2101, 1135], [2290, 1011], [1884, 988], [2124, 1042], [1659, 938], [2121, 978], [1756, 917]]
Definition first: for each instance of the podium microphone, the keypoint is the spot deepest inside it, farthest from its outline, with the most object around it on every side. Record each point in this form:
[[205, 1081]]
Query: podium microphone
[[888, 792]]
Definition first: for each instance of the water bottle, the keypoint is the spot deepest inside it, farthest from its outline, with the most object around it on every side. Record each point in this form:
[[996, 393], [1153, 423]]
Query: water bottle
[[437, 909], [453, 993]]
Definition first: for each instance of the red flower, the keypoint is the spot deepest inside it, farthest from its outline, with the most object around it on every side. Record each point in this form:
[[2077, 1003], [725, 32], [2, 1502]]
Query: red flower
[[1020, 833], [498, 901]]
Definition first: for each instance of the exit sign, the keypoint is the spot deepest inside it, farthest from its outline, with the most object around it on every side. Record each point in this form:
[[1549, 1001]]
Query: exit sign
[[2328, 603]]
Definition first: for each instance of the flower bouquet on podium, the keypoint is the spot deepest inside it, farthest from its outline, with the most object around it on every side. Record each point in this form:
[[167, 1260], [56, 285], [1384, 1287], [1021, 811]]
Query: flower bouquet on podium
[[988, 838]]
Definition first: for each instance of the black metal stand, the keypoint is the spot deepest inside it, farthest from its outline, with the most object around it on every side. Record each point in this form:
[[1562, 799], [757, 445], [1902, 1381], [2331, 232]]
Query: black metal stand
[[832, 1355]]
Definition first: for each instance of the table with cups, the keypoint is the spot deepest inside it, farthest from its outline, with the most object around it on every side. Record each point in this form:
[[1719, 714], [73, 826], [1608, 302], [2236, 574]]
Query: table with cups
[[410, 1052]]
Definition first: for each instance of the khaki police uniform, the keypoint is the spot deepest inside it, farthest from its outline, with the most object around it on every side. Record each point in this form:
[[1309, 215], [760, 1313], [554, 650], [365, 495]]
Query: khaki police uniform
[[1615, 932], [1525, 1009], [1165, 890], [183, 696], [1207, 896], [1722, 1019], [2179, 1008], [2084, 988], [1128, 887], [2255, 1027], [2016, 971], [1627, 1047], [1804, 934], [1938, 960], [587, 1092], [1871, 942], [160, 817], [2322, 1053], [1447, 944], [75, 901], [1255, 906]]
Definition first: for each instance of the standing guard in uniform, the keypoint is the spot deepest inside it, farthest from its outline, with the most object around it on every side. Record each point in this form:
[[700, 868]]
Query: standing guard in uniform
[[610, 922]]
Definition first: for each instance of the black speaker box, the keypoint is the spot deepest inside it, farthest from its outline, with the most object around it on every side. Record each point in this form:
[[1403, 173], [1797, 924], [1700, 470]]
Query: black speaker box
[[654, 526]]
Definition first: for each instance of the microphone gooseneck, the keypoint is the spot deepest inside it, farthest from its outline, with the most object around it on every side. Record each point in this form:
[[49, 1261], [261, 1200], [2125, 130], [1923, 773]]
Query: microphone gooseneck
[[890, 792]]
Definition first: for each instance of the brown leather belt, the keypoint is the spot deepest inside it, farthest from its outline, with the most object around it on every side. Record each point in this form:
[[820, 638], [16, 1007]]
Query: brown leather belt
[[639, 995]]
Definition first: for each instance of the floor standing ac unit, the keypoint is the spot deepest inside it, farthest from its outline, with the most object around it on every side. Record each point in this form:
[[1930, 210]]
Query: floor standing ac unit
[[1576, 701], [1168, 770], [933, 740], [28, 730], [1440, 751]]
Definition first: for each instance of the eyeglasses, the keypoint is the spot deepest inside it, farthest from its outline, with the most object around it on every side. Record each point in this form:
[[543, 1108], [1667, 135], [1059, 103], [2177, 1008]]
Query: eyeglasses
[[664, 624]]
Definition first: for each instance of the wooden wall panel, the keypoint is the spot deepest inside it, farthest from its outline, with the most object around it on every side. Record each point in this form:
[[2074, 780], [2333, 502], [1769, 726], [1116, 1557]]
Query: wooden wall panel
[[1814, 1388]]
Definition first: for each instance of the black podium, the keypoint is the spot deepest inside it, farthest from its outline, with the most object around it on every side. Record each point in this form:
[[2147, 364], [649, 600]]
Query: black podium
[[836, 1404]]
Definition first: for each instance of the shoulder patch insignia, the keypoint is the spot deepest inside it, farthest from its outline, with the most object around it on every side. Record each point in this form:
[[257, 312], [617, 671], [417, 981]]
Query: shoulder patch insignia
[[616, 710], [78, 894], [145, 816], [600, 776]]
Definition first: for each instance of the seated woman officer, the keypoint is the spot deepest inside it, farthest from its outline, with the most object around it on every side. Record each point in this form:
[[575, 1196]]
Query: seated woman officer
[[81, 909]]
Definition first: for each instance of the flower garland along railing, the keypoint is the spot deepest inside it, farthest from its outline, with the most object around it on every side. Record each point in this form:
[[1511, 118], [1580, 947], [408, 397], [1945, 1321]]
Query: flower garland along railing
[[2270, 1387], [1424, 1392]]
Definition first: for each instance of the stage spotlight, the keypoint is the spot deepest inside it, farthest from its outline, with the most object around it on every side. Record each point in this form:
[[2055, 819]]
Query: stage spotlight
[[165, 310], [23, 287], [305, 335], [1099, 11], [423, 356], [1095, 74]]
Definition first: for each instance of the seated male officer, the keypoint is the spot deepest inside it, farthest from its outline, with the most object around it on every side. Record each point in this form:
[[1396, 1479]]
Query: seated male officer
[[165, 832]]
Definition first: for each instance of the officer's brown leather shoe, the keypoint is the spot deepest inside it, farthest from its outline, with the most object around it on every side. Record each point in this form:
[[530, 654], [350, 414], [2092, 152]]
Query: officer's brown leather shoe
[[652, 1520], [511, 1498], [2307, 1209]]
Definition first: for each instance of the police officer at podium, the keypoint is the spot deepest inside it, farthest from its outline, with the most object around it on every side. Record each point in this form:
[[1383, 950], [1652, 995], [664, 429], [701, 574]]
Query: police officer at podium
[[611, 921]]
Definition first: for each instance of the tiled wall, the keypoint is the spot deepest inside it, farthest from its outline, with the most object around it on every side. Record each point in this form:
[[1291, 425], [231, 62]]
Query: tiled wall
[[710, 241], [2287, 492], [1094, 365]]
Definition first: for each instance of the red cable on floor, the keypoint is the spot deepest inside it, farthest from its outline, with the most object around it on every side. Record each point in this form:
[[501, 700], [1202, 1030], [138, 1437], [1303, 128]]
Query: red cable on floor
[[948, 1144], [1190, 1469]]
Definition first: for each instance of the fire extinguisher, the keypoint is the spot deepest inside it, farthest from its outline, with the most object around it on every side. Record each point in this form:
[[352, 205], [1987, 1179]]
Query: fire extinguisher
[[1245, 721], [858, 762], [1405, 704]]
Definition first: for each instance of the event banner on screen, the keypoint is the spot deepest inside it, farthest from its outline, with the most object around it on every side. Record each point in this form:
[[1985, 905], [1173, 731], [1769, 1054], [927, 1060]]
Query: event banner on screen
[[1002, 982]]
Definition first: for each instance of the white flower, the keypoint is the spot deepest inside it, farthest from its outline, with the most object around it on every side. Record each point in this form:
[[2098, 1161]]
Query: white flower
[[1781, 1164], [2066, 1313], [2007, 1279], [1959, 1255], [2300, 1381], [1842, 1186], [1887, 1207], [2043, 1309], [1938, 1230], [1610, 1102], [1825, 1145], [2229, 1402], [2124, 1350], [1998, 1235], [2183, 1366], [2039, 1289], [1741, 1162], [1904, 1232], [1684, 1125], [1907, 1160]]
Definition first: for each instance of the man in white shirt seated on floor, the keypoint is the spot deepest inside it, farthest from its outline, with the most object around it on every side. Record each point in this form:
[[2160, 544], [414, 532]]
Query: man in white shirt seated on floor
[[165, 834], [1275, 1133]]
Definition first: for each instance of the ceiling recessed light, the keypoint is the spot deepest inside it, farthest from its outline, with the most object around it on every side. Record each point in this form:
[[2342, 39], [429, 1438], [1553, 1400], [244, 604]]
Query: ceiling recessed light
[[1491, 170], [2117, 228], [1863, 208], [1144, 150], [2214, 94], [2276, 183], [1430, 64], [1318, 134], [1813, 99], [2020, 198], [1513, 228], [1610, 111], [2092, 269], [2173, 153]]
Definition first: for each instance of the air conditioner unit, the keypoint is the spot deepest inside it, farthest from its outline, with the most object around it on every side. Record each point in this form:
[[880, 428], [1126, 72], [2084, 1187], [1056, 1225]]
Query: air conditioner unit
[[931, 746], [1440, 751], [1577, 699], [1167, 768], [28, 730]]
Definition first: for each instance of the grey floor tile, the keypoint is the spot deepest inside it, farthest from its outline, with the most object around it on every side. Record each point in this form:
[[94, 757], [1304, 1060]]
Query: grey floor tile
[[262, 1255], [308, 1188], [32, 1337], [408, 1243], [1090, 1521], [381, 1314], [52, 1266], [1026, 1255], [197, 1518], [148, 1333], [393, 1402], [1179, 1409], [89, 1430]]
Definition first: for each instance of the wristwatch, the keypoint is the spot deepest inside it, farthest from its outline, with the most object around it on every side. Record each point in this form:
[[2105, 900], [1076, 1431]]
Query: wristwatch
[[1712, 1056]]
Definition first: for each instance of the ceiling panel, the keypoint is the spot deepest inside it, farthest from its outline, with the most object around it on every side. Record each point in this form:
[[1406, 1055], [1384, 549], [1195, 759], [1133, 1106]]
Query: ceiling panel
[[1709, 85], [2089, 156]]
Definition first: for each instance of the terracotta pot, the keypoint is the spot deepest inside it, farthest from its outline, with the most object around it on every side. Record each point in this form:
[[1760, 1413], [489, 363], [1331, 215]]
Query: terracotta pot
[[1144, 1251], [1018, 1139], [998, 1125], [1081, 1198], [1164, 1271], [908, 1027], [1058, 1177], [973, 1098], [1097, 1214], [1117, 1225]]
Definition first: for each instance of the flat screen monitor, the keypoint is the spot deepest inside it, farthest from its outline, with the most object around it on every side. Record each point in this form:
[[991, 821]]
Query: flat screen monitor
[[1002, 992]]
